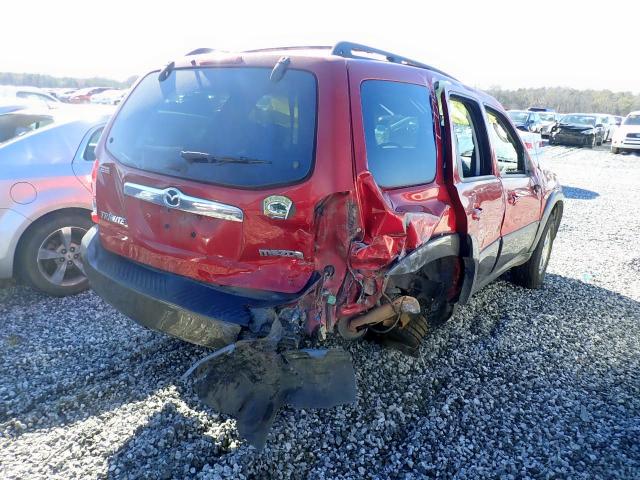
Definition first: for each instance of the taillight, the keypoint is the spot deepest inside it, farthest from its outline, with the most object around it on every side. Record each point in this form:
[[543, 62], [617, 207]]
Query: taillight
[[94, 177], [529, 145]]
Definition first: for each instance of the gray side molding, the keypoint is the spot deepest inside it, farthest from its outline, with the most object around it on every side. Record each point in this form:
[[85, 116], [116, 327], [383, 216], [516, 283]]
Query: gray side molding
[[444, 246]]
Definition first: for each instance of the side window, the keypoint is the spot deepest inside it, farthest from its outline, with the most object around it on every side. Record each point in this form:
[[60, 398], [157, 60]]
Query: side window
[[89, 153], [508, 149], [398, 127], [469, 138]]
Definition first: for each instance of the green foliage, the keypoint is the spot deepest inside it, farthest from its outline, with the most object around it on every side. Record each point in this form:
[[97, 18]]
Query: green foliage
[[47, 81], [566, 100]]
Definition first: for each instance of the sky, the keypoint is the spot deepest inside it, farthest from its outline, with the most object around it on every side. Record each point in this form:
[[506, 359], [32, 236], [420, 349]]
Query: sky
[[578, 44]]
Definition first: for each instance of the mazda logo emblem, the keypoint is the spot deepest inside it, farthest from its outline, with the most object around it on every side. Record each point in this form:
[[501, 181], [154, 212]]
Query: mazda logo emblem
[[171, 197]]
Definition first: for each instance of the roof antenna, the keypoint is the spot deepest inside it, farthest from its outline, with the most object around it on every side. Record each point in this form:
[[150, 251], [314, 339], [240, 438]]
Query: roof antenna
[[166, 71], [280, 69]]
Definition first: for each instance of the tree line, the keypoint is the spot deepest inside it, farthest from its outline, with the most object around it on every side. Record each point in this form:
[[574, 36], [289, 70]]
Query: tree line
[[566, 100], [48, 81]]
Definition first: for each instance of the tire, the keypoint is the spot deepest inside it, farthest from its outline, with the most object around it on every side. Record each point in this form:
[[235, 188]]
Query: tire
[[49, 254], [590, 143], [406, 340], [615, 151], [531, 274]]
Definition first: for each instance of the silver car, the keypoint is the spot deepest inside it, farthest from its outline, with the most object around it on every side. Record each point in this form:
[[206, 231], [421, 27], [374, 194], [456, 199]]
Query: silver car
[[46, 158]]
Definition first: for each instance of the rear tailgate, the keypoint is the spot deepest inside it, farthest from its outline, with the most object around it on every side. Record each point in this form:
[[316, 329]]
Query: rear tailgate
[[209, 174]]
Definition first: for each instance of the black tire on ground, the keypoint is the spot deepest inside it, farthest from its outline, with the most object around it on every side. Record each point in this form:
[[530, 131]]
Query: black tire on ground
[[34, 271], [615, 150], [532, 273], [590, 143], [406, 340]]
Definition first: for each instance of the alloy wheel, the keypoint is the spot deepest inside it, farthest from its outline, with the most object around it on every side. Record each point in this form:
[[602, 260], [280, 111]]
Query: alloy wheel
[[59, 257]]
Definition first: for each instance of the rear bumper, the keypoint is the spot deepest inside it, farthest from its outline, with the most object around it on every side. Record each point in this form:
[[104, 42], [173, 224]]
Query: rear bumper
[[12, 225], [627, 144], [197, 313]]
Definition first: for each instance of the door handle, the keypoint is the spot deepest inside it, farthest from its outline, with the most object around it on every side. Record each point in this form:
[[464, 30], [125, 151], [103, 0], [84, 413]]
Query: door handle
[[513, 197], [476, 212]]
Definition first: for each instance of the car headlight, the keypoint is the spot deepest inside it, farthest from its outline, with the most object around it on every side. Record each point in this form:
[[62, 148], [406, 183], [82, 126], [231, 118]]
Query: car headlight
[[588, 131]]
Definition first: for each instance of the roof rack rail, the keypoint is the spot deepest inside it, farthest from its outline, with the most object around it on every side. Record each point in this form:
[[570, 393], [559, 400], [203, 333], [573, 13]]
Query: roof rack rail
[[350, 49], [302, 47], [200, 51]]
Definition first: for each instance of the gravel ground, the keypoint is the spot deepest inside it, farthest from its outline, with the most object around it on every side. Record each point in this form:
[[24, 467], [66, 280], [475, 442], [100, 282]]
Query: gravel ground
[[541, 384]]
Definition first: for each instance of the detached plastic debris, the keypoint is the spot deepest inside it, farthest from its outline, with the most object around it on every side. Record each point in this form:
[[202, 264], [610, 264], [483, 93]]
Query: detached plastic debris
[[250, 380]]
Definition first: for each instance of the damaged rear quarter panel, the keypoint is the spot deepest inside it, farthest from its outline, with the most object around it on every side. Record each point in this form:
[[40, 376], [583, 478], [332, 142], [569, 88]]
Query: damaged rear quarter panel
[[394, 221]]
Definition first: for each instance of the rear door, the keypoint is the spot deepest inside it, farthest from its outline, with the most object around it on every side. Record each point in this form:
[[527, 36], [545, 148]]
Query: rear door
[[394, 131], [474, 176], [521, 188]]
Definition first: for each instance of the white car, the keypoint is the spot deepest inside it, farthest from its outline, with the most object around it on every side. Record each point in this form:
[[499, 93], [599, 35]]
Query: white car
[[627, 136], [28, 95], [609, 124], [108, 97]]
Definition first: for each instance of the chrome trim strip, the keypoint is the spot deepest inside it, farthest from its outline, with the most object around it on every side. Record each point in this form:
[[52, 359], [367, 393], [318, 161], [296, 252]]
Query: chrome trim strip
[[182, 202]]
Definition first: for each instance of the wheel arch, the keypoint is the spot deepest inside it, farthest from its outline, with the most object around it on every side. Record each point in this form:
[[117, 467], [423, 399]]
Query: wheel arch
[[38, 221]]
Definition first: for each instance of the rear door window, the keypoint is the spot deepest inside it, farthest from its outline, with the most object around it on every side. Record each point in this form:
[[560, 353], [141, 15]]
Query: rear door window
[[227, 126], [398, 127], [470, 138], [508, 150]]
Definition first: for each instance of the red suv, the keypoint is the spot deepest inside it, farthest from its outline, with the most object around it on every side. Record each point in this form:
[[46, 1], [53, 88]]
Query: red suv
[[357, 188]]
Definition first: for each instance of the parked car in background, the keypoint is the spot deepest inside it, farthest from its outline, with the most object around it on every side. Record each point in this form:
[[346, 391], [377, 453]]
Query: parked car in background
[[84, 94], [60, 93], [108, 97], [541, 109], [525, 120], [581, 129], [627, 136], [619, 120], [548, 120], [28, 95], [46, 159], [66, 95], [610, 126]]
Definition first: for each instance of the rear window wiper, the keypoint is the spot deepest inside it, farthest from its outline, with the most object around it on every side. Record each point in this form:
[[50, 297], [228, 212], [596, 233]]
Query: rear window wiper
[[202, 157]]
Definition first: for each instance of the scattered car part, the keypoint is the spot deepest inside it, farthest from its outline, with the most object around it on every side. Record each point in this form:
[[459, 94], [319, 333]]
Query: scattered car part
[[252, 379]]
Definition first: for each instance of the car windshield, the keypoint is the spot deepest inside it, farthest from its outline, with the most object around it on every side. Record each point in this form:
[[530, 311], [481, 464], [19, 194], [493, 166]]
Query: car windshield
[[547, 117], [632, 120], [588, 120], [263, 130], [518, 117]]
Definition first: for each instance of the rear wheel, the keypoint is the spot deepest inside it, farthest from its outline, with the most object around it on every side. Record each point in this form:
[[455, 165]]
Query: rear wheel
[[406, 339], [49, 258], [532, 273]]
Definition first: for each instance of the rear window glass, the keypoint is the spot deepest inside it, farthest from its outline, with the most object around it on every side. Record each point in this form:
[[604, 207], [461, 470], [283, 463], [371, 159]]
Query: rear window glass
[[14, 125], [398, 125], [228, 126]]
